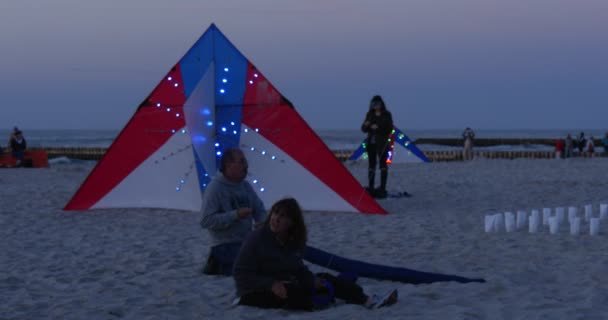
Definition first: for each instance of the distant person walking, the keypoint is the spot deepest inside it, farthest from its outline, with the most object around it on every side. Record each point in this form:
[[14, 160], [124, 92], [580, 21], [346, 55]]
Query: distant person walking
[[605, 144], [18, 145], [378, 125], [468, 135], [569, 146]]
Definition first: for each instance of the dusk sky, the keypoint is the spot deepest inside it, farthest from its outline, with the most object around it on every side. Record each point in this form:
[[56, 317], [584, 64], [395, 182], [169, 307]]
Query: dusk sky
[[518, 64]]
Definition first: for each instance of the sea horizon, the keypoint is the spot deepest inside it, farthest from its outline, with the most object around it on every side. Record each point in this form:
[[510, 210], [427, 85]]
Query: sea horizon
[[334, 138]]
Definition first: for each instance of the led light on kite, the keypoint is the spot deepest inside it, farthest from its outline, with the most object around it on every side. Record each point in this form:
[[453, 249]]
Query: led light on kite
[[226, 69], [175, 85], [224, 80], [222, 90], [209, 123], [169, 78]]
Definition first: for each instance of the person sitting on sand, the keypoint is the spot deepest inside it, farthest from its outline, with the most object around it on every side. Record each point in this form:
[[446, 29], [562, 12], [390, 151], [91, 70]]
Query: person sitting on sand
[[269, 271], [230, 209]]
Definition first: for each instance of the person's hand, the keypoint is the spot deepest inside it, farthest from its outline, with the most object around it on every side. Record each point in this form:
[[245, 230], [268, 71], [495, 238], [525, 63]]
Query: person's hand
[[279, 290], [244, 212], [374, 126]]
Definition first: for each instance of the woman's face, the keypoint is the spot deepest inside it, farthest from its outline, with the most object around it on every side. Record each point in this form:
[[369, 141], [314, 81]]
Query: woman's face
[[377, 107], [280, 222]]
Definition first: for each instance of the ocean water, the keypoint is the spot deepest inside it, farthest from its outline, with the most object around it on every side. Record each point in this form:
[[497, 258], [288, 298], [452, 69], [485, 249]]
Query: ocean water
[[335, 139]]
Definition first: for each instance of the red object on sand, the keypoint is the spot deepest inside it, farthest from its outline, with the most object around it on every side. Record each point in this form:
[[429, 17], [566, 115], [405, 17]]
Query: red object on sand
[[31, 158]]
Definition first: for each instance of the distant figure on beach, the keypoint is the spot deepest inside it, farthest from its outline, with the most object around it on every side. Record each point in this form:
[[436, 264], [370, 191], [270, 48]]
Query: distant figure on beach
[[230, 208], [559, 148], [378, 125], [605, 144], [468, 135], [590, 146], [569, 146], [17, 145], [582, 142], [269, 271]]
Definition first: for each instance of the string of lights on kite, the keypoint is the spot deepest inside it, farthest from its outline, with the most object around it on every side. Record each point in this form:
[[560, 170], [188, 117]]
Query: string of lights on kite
[[225, 130], [400, 138]]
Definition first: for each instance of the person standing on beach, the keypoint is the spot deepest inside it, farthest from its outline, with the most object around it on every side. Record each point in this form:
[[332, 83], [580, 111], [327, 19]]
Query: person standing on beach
[[569, 145], [559, 148], [378, 125], [582, 142], [230, 208], [17, 145], [605, 144], [468, 135], [590, 146]]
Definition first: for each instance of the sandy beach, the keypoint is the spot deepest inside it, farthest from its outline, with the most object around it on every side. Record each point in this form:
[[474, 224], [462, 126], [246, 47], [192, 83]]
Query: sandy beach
[[145, 263]]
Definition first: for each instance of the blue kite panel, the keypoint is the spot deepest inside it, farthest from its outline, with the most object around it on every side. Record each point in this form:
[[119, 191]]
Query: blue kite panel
[[230, 75], [196, 61], [407, 143]]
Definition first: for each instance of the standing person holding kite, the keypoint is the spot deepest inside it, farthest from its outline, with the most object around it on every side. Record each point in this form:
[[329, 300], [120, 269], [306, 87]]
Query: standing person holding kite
[[378, 125]]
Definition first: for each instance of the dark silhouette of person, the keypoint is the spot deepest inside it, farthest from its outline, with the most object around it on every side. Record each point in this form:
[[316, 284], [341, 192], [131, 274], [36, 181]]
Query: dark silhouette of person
[[378, 125]]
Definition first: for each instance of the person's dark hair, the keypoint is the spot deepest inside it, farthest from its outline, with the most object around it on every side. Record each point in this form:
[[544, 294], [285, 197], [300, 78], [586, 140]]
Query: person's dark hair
[[297, 232], [227, 157], [377, 100]]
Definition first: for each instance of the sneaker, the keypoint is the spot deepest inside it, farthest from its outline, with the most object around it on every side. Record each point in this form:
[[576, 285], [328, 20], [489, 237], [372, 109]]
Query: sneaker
[[386, 300]]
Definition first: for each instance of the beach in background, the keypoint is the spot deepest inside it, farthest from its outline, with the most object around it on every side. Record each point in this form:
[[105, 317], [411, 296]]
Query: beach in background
[[335, 139]]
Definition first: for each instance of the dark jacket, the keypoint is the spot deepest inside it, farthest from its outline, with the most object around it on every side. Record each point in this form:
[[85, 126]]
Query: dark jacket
[[18, 146], [263, 260], [385, 126]]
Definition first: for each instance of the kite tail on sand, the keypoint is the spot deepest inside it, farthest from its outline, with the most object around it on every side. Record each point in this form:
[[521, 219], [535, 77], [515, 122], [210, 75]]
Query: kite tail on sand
[[368, 270], [225, 255]]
